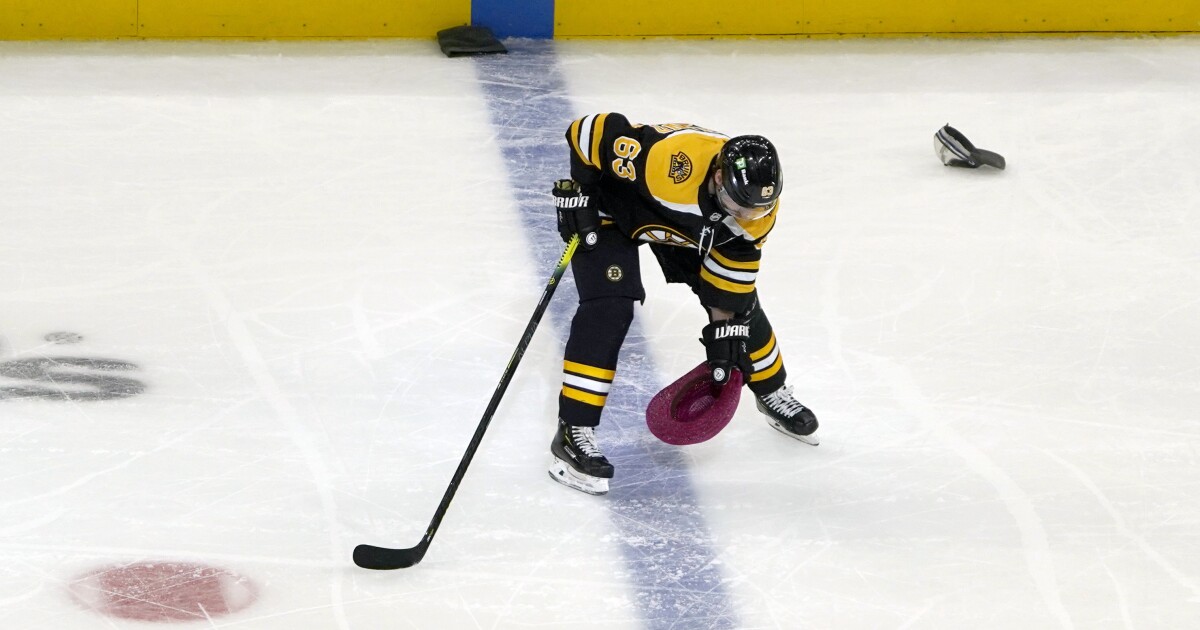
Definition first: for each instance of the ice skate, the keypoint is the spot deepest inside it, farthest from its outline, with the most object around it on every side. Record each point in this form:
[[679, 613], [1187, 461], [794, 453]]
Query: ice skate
[[577, 462], [788, 416]]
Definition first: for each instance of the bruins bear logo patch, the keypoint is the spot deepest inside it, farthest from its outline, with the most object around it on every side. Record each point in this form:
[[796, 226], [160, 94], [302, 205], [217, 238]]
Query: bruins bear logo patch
[[681, 167]]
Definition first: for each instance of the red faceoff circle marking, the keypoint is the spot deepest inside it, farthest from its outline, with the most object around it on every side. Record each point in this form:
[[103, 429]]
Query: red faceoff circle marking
[[163, 591]]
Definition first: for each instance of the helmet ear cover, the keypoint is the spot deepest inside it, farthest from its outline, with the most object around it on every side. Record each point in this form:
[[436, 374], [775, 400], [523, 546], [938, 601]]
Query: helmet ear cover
[[750, 171]]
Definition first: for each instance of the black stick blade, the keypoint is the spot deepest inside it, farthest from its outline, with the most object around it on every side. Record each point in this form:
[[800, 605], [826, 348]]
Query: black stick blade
[[384, 559]]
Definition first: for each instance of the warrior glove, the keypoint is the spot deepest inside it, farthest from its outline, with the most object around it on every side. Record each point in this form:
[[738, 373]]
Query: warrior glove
[[725, 342], [578, 213]]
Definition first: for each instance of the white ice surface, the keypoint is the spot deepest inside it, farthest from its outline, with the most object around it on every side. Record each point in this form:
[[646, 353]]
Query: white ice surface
[[313, 256]]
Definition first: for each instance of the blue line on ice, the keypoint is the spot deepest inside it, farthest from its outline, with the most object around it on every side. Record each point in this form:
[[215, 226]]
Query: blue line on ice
[[664, 540]]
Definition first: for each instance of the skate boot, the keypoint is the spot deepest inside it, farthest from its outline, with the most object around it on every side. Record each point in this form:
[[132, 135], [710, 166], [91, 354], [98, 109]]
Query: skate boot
[[788, 416], [577, 462]]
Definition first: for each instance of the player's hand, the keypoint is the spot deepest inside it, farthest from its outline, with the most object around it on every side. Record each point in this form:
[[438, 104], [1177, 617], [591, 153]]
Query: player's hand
[[578, 213], [725, 342]]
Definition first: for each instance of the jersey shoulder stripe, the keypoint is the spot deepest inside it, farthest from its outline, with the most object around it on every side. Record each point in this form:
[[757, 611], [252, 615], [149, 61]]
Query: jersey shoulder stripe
[[586, 135], [573, 140]]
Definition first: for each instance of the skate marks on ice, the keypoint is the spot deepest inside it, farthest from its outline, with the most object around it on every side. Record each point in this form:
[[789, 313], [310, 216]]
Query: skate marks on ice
[[667, 550], [139, 591], [1045, 555], [254, 360], [1034, 540]]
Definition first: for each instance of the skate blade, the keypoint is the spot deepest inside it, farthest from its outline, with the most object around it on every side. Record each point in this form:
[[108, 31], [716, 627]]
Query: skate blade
[[810, 439], [571, 478]]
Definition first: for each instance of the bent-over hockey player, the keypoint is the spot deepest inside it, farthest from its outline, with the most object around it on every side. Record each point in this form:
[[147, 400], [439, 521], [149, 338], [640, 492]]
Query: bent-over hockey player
[[705, 204]]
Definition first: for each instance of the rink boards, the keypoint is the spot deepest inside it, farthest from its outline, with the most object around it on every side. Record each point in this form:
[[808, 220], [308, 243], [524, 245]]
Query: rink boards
[[105, 19], [102, 19], [583, 18]]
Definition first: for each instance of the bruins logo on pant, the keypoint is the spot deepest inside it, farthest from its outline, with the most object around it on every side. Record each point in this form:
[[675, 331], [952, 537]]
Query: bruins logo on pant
[[614, 273]]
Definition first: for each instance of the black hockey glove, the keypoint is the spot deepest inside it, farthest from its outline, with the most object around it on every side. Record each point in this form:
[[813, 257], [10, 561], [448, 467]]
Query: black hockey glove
[[725, 342], [578, 213]]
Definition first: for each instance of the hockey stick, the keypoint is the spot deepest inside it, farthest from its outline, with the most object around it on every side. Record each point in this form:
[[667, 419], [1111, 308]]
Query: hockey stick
[[371, 557]]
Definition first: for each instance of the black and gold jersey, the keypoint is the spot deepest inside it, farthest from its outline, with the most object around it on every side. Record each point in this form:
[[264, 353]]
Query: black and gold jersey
[[653, 184]]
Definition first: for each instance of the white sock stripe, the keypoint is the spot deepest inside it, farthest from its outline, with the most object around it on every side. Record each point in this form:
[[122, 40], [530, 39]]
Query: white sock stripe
[[768, 360], [586, 384]]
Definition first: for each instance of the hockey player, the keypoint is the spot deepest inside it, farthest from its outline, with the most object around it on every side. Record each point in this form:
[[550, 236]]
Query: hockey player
[[705, 203]]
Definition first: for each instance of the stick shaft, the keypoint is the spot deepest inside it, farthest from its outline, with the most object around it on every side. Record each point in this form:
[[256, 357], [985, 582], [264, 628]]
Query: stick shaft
[[418, 551], [502, 386]]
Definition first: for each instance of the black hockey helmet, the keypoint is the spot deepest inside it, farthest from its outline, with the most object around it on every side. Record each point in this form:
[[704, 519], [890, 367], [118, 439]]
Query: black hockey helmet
[[750, 171]]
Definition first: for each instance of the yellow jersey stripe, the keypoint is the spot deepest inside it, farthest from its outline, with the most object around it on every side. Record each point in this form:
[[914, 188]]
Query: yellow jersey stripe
[[583, 397], [745, 277], [724, 285], [587, 370], [575, 141], [597, 138], [765, 350], [733, 264]]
